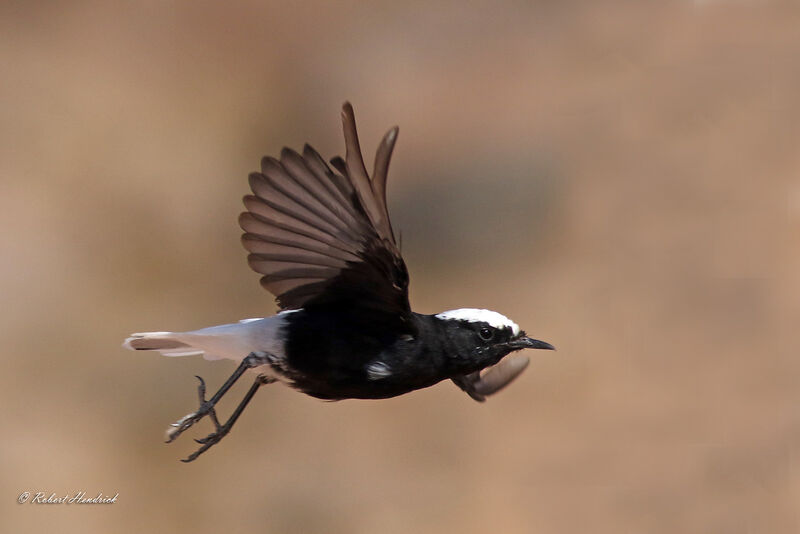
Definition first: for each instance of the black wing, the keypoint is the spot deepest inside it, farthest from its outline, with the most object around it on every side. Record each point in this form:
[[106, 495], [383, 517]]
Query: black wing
[[324, 238]]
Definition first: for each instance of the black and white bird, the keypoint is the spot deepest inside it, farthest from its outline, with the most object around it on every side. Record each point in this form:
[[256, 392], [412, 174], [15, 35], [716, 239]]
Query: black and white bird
[[324, 244]]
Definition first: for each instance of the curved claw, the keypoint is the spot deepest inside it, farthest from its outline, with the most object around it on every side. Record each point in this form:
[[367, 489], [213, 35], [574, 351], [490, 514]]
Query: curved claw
[[207, 407], [207, 442], [181, 425], [184, 423], [500, 375]]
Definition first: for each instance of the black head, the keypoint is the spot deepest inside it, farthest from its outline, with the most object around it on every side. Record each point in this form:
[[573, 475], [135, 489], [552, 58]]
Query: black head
[[480, 338]]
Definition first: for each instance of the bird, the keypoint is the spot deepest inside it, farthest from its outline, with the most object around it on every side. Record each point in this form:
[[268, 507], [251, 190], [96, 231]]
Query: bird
[[323, 242]]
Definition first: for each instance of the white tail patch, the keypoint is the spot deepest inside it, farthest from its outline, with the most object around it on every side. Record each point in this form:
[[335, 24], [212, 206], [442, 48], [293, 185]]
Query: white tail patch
[[228, 341], [166, 343]]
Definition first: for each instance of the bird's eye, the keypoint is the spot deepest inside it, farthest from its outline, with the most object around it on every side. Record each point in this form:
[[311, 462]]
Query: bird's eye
[[486, 334]]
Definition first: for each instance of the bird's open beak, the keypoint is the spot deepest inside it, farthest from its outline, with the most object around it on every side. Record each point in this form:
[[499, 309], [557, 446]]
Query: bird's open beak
[[528, 343]]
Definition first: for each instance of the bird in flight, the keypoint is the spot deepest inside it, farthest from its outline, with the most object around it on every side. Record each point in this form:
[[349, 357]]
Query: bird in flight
[[322, 239]]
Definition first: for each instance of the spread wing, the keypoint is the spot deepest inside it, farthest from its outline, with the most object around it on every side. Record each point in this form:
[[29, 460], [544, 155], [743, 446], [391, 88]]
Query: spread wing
[[322, 237]]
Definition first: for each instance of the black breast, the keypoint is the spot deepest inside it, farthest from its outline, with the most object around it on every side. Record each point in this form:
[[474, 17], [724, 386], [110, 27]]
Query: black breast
[[328, 353]]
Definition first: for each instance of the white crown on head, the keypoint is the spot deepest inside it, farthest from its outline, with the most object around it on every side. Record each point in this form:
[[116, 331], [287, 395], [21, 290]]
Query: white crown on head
[[475, 315]]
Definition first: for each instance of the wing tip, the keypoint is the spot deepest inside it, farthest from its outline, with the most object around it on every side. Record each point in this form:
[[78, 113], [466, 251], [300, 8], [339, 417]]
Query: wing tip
[[289, 153], [347, 109]]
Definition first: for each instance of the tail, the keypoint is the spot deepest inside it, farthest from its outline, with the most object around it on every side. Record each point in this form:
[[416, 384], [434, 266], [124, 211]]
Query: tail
[[164, 342], [228, 341]]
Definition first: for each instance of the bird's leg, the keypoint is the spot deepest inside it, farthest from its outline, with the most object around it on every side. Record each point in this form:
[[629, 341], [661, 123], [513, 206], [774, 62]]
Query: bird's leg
[[222, 430], [254, 359]]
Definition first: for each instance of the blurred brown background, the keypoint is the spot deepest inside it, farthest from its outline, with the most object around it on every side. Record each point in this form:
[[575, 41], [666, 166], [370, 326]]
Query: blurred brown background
[[621, 178]]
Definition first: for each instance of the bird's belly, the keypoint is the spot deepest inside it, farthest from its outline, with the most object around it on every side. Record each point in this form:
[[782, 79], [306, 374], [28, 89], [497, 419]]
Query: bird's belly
[[341, 356], [338, 387]]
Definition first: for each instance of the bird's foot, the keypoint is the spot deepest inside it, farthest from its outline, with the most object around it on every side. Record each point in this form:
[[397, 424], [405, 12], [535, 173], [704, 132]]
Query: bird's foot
[[207, 407], [209, 441], [184, 423], [222, 430]]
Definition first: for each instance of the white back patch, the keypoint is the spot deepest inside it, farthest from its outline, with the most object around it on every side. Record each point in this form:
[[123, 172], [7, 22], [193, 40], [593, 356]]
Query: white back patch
[[474, 315]]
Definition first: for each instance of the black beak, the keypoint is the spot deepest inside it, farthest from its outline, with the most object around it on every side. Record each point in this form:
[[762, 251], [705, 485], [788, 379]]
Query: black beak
[[528, 343]]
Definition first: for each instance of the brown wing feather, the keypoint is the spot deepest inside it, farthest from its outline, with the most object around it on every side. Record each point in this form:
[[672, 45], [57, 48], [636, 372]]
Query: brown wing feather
[[379, 175], [357, 172], [322, 237]]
